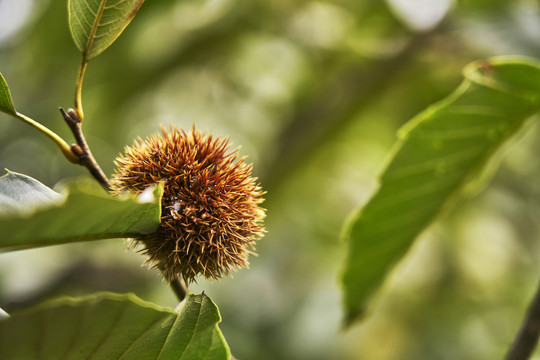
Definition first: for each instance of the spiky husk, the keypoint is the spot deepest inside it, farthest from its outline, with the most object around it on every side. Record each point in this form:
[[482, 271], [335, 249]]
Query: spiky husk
[[210, 207]]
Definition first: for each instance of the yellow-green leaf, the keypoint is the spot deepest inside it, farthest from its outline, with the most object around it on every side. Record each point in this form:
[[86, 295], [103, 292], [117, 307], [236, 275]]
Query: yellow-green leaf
[[440, 151], [96, 24], [33, 215], [6, 102]]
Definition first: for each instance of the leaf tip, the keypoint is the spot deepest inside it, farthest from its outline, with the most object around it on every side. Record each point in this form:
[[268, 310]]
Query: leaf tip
[[352, 317], [6, 100]]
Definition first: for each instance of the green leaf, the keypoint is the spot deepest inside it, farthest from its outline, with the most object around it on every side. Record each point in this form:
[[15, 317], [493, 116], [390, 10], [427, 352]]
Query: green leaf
[[113, 326], [6, 102], [20, 194], [96, 24], [32, 215], [440, 151]]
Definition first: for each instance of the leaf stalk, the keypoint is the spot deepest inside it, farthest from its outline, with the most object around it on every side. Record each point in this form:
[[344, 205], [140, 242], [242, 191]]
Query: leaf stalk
[[78, 89], [64, 147]]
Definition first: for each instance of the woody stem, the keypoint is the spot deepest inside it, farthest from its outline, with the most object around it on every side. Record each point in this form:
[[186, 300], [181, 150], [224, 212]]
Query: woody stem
[[179, 288], [82, 150], [527, 337]]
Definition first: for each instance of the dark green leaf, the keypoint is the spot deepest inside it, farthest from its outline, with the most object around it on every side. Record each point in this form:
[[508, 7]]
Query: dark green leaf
[[441, 149], [6, 102], [32, 215], [96, 24], [112, 326]]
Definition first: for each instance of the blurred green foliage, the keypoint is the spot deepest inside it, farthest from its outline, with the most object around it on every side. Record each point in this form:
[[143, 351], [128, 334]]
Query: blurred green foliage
[[314, 92]]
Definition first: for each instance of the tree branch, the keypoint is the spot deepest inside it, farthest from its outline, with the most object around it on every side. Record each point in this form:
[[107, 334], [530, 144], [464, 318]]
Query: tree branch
[[527, 337], [85, 158], [179, 288], [81, 149]]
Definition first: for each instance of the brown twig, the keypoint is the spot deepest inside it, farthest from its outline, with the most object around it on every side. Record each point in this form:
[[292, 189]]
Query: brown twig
[[527, 337], [81, 149], [179, 288], [86, 159]]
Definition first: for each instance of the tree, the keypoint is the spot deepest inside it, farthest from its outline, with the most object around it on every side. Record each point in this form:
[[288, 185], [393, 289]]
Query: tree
[[314, 92]]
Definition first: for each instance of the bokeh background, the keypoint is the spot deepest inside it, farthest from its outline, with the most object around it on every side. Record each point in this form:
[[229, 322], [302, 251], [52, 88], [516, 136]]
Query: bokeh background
[[313, 92]]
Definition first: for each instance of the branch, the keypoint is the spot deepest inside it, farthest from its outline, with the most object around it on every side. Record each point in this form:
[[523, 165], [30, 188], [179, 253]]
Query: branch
[[85, 158], [527, 337], [179, 288], [81, 149]]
